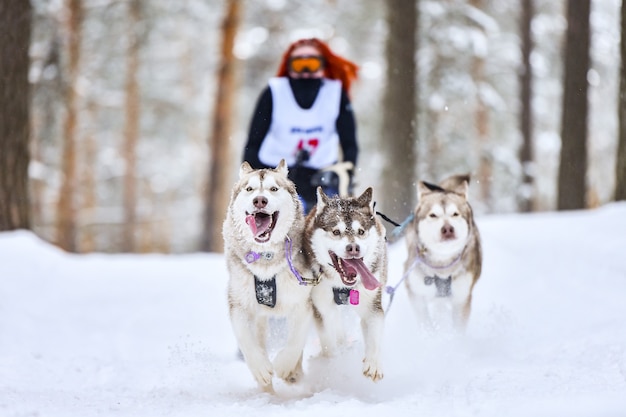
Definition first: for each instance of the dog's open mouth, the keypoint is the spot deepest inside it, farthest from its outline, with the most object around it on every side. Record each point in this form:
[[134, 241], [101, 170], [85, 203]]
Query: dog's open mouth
[[349, 268], [261, 224]]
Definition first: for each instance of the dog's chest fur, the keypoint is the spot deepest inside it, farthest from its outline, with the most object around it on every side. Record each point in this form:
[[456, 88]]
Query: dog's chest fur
[[247, 279]]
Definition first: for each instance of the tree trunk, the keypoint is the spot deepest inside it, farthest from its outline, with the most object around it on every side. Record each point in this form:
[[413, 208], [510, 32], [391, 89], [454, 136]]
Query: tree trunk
[[573, 164], [87, 241], [218, 188], [481, 124], [15, 21], [131, 129], [66, 210], [620, 173], [526, 194], [398, 135]]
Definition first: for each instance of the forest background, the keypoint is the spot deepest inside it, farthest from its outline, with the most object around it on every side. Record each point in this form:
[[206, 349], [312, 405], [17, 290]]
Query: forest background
[[138, 110]]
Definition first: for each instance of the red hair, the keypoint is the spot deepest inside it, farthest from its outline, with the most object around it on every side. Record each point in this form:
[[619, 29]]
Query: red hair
[[335, 67]]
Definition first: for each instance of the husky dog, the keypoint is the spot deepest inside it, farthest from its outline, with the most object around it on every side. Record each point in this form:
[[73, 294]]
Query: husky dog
[[262, 244], [346, 242], [444, 254]]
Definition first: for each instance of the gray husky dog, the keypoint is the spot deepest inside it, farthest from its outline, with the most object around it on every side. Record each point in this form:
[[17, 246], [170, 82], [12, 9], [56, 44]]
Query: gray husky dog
[[444, 254], [346, 242], [262, 244]]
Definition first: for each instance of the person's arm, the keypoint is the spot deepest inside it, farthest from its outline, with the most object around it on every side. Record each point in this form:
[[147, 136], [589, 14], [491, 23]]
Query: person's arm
[[259, 126], [346, 129]]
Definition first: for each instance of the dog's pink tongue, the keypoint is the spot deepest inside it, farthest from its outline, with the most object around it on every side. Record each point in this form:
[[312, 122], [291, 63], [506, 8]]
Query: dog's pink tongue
[[367, 278], [251, 221], [258, 223]]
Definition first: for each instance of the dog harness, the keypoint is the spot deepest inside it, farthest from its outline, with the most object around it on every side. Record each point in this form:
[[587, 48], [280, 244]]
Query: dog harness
[[444, 285], [391, 290], [345, 295], [265, 291]]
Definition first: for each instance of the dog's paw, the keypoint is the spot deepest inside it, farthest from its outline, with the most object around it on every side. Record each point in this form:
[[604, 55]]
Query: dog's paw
[[263, 372], [292, 376], [372, 369], [288, 366]]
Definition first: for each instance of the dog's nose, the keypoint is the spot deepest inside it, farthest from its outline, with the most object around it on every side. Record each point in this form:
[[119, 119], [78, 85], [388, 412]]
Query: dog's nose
[[259, 202], [353, 250], [447, 231]]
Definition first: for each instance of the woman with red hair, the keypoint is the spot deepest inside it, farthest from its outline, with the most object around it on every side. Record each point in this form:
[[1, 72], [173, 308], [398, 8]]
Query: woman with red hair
[[305, 116]]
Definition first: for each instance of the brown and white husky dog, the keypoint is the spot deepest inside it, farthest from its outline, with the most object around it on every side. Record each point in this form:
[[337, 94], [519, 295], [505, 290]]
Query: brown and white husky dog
[[444, 254], [346, 242], [262, 242]]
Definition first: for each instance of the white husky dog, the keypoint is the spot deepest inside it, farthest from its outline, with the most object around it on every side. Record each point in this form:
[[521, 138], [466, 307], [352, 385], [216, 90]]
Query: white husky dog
[[262, 243], [345, 240], [444, 254]]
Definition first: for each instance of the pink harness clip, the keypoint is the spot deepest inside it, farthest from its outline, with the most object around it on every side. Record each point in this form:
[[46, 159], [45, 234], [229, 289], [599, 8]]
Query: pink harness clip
[[354, 297]]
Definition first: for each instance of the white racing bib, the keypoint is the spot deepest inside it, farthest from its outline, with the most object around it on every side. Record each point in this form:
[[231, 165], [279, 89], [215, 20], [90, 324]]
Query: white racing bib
[[294, 128]]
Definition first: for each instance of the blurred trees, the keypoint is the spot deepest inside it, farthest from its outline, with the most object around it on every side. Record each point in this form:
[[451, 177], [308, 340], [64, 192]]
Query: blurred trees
[[572, 187], [15, 24], [168, 181]]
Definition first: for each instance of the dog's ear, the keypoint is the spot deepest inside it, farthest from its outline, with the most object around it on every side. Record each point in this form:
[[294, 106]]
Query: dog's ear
[[282, 168], [245, 169], [462, 189], [422, 189], [322, 200], [458, 184], [365, 199]]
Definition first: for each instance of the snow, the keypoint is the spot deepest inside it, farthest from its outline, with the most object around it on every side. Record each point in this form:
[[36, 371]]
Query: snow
[[149, 335]]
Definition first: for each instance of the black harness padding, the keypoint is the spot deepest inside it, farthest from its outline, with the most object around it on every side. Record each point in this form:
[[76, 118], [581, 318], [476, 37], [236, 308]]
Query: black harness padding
[[444, 285], [265, 291], [341, 295]]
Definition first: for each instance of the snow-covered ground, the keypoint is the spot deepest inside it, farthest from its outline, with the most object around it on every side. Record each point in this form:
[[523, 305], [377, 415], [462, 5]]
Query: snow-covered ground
[[119, 335]]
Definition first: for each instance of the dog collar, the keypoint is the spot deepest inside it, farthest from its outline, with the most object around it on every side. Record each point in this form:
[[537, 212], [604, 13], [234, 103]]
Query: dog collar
[[253, 256], [422, 260], [302, 280], [391, 290]]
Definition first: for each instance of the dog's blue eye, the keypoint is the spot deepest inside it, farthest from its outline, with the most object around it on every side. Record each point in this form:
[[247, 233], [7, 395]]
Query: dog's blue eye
[[336, 232], [361, 232]]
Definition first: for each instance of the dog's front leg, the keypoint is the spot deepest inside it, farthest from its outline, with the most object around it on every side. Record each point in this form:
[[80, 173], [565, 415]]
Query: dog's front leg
[[460, 314], [372, 326], [328, 321], [420, 305], [246, 329], [461, 301], [288, 362]]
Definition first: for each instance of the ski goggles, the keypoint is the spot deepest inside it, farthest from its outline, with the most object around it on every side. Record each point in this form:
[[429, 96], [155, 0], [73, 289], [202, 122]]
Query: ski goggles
[[309, 63]]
